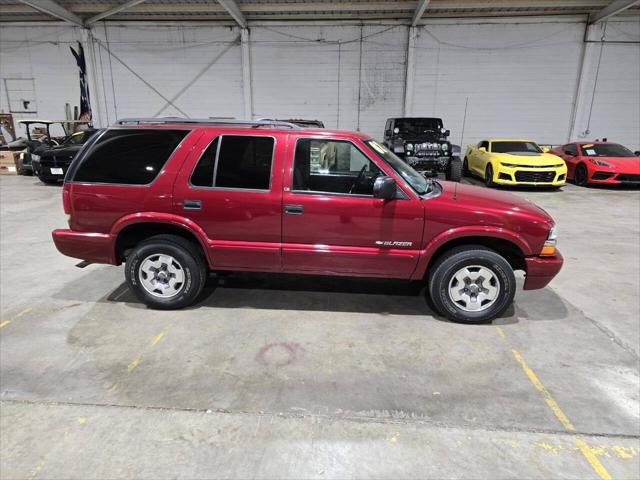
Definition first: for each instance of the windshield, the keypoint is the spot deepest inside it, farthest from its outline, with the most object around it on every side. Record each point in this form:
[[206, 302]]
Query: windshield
[[515, 147], [606, 150], [413, 178], [418, 126]]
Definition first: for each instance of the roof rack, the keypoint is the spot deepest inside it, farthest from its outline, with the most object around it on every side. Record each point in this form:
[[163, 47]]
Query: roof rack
[[207, 121]]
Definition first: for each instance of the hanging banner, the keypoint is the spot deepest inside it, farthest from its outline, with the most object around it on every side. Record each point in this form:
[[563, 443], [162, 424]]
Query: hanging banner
[[85, 103]]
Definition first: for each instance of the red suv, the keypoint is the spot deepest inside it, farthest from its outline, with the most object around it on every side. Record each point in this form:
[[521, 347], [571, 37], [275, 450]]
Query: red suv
[[176, 198]]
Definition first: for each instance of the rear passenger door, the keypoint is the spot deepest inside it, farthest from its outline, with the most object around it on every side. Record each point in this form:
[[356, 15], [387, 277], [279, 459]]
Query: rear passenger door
[[232, 190]]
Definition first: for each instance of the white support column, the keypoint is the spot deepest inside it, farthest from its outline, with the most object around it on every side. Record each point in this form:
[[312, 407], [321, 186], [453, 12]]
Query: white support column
[[92, 77], [246, 74], [411, 71]]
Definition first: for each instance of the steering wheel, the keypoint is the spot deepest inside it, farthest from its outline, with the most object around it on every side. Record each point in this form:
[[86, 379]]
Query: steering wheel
[[358, 178]]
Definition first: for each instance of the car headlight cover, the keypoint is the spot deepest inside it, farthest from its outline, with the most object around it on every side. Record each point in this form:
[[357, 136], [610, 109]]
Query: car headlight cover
[[549, 247], [409, 146], [600, 163], [445, 146], [509, 165]]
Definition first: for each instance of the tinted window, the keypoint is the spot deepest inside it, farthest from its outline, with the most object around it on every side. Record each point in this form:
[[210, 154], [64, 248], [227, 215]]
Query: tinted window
[[332, 166], [570, 149], [606, 150], [515, 147], [202, 175], [244, 162], [133, 157], [484, 144]]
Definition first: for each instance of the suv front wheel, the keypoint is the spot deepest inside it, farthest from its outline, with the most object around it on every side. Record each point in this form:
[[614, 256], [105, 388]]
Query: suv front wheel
[[471, 284], [166, 272]]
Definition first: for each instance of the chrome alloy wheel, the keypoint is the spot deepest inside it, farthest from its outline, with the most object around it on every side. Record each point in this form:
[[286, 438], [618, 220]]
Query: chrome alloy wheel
[[161, 275], [474, 288]]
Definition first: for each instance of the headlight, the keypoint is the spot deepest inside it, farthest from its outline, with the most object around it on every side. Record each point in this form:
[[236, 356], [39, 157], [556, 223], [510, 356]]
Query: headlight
[[509, 165], [549, 247], [409, 146], [445, 146], [35, 157], [600, 163]]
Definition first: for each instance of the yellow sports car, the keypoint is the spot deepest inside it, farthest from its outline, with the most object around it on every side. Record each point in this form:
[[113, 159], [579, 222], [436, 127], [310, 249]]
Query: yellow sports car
[[504, 161]]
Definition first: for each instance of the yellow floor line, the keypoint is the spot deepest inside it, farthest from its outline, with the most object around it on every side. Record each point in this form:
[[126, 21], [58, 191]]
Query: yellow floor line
[[593, 460], [553, 405], [4, 323]]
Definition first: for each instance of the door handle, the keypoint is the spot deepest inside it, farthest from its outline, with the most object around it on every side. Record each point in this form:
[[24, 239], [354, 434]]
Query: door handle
[[294, 209], [192, 205]]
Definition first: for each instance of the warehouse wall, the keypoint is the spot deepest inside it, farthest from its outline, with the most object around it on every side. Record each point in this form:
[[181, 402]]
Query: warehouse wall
[[515, 77]]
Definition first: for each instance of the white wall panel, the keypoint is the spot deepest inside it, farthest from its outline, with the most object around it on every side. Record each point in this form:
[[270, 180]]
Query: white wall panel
[[609, 104], [519, 77], [519, 74]]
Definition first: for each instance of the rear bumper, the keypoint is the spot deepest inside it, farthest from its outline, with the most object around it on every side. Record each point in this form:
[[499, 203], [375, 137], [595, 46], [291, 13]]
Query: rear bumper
[[541, 270], [93, 247]]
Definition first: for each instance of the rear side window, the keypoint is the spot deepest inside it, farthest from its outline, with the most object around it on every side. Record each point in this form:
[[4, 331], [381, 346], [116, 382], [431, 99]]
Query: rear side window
[[236, 161], [244, 162], [130, 157]]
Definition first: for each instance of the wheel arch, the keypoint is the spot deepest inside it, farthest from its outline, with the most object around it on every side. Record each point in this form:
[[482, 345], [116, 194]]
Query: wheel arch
[[512, 247], [131, 230]]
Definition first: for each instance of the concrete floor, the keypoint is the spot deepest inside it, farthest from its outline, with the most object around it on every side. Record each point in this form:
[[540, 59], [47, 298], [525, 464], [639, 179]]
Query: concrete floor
[[302, 377]]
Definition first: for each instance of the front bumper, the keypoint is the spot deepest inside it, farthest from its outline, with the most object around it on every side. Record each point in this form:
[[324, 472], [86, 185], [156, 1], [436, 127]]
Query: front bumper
[[541, 270], [530, 176], [427, 162], [603, 177], [93, 247]]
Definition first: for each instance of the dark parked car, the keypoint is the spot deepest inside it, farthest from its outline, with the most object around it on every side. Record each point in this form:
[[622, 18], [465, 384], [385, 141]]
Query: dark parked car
[[51, 164], [175, 199], [35, 145], [422, 143]]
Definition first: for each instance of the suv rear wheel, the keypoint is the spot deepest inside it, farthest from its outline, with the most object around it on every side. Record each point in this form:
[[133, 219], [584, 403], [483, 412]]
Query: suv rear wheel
[[471, 284], [166, 272]]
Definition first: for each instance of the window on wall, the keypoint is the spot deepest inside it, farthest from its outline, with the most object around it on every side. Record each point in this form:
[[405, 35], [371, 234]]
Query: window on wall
[[333, 166], [235, 162], [130, 157]]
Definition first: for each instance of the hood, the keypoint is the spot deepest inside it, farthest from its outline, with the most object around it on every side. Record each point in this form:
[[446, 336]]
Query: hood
[[62, 151], [529, 159], [467, 205]]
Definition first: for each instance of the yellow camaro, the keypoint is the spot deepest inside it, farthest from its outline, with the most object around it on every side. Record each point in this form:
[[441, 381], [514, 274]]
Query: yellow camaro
[[503, 161]]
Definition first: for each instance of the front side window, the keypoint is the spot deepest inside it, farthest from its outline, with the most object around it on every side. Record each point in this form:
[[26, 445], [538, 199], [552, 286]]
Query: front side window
[[129, 157], [332, 166], [235, 161], [570, 149]]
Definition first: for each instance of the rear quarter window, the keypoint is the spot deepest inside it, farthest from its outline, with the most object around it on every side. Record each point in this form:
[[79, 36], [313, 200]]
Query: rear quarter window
[[129, 157]]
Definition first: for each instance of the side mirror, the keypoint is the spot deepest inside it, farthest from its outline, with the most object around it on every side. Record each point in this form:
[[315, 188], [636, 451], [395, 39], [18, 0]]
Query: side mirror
[[545, 149], [637, 153], [482, 149], [385, 188], [446, 133], [396, 130]]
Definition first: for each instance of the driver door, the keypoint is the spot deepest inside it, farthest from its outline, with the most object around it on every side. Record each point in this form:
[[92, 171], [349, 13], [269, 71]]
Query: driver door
[[331, 222]]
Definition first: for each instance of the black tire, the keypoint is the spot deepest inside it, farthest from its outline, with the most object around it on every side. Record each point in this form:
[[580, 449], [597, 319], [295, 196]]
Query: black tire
[[190, 260], [49, 181], [442, 275], [488, 176], [581, 175], [465, 168], [454, 170]]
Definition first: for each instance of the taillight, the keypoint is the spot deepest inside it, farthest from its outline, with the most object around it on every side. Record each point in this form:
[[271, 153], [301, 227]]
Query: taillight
[[66, 199]]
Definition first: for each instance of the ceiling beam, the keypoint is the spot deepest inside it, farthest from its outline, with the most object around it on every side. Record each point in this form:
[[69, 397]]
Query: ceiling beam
[[613, 8], [420, 8], [55, 10], [232, 7], [113, 11]]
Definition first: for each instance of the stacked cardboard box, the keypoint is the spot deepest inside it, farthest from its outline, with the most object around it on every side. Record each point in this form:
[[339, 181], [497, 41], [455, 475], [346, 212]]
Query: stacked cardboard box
[[8, 162]]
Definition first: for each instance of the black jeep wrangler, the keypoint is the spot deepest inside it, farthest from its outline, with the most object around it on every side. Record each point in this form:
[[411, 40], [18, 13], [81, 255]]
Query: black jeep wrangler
[[422, 143]]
